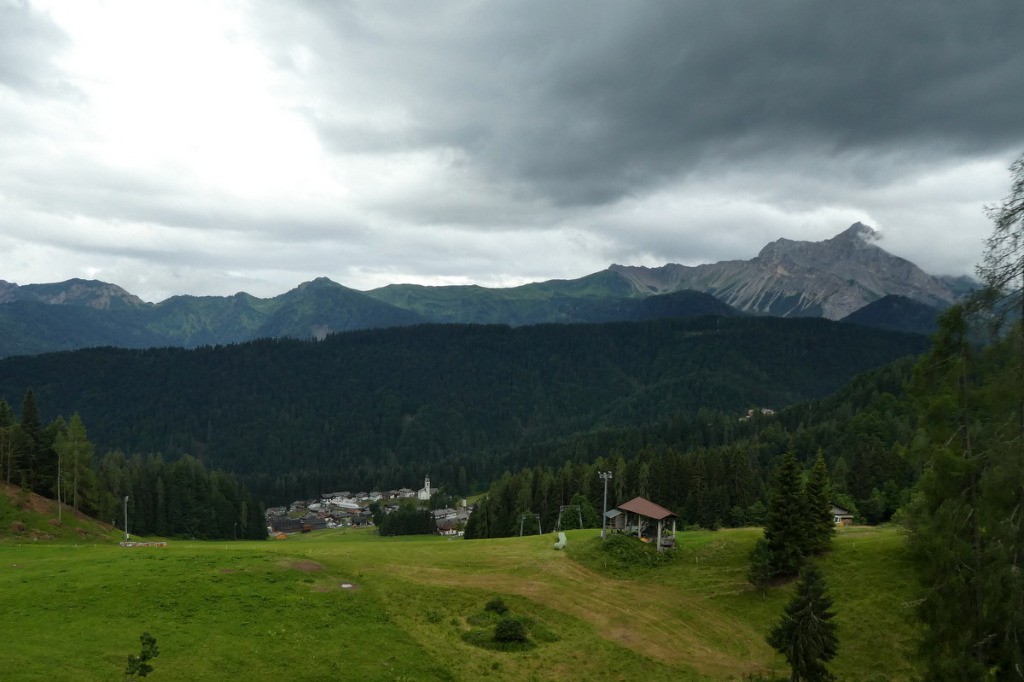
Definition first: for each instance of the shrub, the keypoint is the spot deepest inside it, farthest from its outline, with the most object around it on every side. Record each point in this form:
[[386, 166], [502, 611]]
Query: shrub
[[510, 630], [497, 605], [629, 552]]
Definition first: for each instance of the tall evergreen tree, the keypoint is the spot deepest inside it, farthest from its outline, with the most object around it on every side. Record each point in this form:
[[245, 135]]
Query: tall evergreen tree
[[8, 459], [967, 537], [761, 565], [786, 527], [820, 524], [806, 635], [32, 464]]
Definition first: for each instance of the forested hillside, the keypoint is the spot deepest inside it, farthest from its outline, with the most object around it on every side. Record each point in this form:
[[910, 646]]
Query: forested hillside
[[461, 403], [59, 461], [712, 469]]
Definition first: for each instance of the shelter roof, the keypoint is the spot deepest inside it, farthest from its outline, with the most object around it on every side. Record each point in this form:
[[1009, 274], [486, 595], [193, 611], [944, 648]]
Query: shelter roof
[[644, 507]]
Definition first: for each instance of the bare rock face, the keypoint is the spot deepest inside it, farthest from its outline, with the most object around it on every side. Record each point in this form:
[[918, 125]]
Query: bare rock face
[[830, 279]]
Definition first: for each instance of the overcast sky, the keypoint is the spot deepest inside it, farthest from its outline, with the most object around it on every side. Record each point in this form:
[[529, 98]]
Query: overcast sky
[[209, 148]]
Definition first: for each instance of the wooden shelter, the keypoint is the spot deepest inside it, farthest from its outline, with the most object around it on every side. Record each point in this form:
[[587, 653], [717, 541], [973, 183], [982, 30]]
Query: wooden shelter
[[645, 512]]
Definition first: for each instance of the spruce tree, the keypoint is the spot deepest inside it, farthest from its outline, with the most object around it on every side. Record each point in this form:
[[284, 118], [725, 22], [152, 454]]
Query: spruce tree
[[967, 533], [761, 568], [820, 523], [8, 458], [31, 427], [786, 527], [806, 635]]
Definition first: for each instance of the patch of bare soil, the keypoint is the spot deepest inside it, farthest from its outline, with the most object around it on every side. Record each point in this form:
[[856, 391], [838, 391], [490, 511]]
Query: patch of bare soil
[[306, 566], [42, 505]]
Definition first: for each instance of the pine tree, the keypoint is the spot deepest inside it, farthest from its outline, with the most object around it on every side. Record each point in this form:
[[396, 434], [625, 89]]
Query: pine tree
[[31, 427], [8, 459], [786, 527], [761, 569], [820, 523], [806, 635], [966, 526]]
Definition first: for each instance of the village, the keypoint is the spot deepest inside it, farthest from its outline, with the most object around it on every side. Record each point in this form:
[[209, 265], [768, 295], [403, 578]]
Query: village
[[355, 510]]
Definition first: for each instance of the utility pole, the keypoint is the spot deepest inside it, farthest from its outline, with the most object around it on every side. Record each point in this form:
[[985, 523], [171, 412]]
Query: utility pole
[[126, 518], [605, 476]]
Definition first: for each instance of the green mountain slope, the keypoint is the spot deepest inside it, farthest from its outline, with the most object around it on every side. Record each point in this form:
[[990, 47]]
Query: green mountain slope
[[72, 315]]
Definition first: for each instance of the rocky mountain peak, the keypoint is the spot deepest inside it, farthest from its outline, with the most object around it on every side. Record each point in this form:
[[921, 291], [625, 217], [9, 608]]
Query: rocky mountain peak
[[830, 278], [857, 233]]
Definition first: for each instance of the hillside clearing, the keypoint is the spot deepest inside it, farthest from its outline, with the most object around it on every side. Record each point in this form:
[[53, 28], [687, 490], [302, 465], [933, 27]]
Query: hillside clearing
[[394, 608]]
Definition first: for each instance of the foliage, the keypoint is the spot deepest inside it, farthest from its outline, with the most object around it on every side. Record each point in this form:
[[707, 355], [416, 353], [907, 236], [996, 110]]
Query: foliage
[[409, 519], [786, 528], [76, 478], [497, 605], [761, 569], [628, 553], [391, 405], [139, 665], [1002, 266], [966, 532], [495, 628], [806, 635], [821, 526], [176, 499], [509, 630]]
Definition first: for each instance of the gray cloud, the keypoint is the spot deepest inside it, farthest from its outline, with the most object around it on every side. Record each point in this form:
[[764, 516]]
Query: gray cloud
[[29, 42], [499, 142], [588, 102]]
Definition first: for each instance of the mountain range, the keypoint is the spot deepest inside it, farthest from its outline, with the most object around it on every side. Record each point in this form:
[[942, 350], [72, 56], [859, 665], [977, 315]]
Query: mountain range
[[834, 279]]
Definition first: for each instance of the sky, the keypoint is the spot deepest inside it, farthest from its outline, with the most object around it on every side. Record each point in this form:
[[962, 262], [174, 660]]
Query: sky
[[207, 148]]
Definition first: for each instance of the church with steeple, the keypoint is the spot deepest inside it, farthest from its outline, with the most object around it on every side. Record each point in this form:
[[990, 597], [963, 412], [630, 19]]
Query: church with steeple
[[424, 492]]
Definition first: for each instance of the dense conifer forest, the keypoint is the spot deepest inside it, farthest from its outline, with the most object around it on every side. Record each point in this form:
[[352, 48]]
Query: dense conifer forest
[[176, 498], [462, 403]]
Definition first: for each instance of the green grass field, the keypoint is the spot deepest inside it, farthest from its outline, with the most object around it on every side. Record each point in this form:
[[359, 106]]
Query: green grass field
[[352, 605]]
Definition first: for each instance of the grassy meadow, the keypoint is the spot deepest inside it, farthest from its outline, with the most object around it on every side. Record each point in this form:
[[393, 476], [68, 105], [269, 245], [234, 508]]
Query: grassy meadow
[[348, 604]]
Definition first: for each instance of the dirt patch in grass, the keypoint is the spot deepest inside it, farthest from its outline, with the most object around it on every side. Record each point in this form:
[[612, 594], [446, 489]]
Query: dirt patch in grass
[[305, 565]]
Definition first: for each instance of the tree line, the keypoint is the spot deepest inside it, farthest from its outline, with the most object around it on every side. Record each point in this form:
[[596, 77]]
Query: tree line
[[166, 498]]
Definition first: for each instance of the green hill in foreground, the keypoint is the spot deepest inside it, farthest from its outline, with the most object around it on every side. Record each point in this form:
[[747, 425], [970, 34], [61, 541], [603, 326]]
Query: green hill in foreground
[[371, 608]]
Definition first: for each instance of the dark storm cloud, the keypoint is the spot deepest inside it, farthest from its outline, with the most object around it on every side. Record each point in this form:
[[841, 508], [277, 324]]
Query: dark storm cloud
[[584, 103]]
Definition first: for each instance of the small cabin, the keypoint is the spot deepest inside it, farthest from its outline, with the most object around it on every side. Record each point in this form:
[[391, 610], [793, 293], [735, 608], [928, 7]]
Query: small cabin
[[840, 516]]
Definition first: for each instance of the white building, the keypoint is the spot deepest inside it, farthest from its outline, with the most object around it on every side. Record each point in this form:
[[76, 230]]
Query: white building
[[424, 492]]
